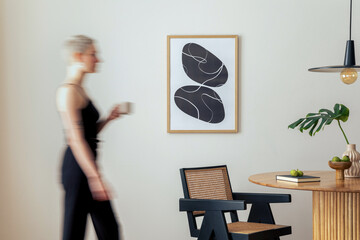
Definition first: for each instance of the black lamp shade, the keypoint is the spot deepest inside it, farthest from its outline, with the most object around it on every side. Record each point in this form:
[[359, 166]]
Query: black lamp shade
[[349, 61]]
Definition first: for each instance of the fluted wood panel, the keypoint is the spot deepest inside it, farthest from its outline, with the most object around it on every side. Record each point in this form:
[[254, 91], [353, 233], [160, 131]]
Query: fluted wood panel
[[336, 216]]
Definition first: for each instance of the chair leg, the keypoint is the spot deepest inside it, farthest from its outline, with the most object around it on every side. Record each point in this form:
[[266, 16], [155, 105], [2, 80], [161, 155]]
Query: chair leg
[[205, 234], [261, 213], [234, 216], [214, 225]]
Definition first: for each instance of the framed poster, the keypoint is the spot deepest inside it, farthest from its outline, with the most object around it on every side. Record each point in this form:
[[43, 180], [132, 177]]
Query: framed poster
[[202, 83]]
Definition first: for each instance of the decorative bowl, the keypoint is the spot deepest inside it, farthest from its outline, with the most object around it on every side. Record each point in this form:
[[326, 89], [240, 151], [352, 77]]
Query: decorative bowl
[[340, 167]]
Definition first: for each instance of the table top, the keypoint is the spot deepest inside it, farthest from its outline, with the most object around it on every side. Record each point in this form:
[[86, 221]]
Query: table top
[[327, 183]]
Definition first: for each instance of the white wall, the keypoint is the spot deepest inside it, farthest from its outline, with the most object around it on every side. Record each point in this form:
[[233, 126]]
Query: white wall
[[279, 41]]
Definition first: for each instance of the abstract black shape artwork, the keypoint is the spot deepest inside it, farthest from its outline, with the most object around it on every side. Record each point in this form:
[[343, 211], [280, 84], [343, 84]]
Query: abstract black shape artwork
[[202, 66], [199, 102], [202, 82], [205, 68]]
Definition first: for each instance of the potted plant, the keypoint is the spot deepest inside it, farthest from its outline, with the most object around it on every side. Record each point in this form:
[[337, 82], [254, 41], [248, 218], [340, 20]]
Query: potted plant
[[314, 122]]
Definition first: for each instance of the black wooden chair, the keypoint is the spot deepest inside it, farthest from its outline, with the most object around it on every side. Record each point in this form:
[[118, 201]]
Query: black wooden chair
[[208, 193]]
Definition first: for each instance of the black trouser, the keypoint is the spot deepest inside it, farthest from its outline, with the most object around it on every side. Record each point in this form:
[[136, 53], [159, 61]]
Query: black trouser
[[79, 203]]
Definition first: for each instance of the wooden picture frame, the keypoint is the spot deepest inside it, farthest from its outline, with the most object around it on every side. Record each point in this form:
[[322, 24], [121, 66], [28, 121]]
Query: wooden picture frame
[[202, 83]]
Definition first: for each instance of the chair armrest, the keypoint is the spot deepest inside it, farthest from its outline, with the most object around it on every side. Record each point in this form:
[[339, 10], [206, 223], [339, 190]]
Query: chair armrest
[[210, 205], [262, 197]]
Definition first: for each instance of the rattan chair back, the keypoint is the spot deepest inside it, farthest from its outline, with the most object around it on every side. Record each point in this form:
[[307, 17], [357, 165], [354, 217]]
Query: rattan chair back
[[208, 183]]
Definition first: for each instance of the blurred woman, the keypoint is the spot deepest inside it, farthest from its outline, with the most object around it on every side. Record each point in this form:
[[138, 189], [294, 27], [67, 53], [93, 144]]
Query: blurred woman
[[85, 191]]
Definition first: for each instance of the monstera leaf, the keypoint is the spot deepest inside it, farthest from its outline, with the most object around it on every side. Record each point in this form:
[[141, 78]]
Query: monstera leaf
[[317, 121]]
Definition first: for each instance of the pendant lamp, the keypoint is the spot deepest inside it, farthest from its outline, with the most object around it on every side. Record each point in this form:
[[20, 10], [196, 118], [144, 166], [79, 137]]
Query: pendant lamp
[[348, 71]]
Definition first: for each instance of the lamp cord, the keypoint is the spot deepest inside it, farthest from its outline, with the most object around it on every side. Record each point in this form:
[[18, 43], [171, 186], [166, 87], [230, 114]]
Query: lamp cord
[[350, 18]]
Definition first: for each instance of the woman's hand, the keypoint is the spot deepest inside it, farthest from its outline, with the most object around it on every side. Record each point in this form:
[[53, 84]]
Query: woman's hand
[[98, 189], [114, 114]]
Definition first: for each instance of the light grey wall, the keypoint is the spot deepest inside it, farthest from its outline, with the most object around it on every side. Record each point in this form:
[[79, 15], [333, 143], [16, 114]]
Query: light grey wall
[[279, 41]]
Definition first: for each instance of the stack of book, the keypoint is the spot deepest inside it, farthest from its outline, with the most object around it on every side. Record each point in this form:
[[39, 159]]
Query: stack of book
[[304, 178]]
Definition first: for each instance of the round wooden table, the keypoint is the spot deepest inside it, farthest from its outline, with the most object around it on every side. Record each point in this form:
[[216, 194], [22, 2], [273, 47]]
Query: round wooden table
[[336, 203]]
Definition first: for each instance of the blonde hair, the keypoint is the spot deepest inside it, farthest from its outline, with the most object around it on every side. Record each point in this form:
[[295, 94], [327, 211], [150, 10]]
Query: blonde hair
[[77, 43]]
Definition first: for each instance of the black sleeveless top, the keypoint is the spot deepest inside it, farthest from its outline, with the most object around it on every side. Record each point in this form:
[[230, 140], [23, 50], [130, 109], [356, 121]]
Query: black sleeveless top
[[70, 167], [90, 116]]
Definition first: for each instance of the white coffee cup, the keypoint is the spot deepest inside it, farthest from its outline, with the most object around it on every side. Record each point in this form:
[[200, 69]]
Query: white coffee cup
[[125, 107]]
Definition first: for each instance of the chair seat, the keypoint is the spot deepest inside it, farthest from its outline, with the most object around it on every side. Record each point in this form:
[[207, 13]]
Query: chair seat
[[254, 230]]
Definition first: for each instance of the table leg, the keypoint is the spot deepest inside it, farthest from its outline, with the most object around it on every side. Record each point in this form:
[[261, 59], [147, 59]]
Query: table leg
[[336, 215]]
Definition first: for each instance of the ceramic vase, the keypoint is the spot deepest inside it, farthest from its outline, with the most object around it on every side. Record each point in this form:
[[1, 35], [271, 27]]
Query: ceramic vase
[[354, 170]]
